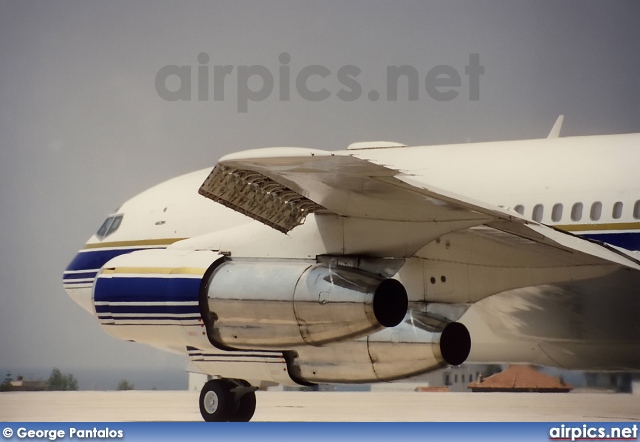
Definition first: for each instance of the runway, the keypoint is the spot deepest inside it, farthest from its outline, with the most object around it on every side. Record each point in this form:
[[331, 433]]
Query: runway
[[124, 406]]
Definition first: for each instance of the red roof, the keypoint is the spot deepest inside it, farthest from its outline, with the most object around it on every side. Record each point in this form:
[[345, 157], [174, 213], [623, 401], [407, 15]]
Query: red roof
[[521, 378]]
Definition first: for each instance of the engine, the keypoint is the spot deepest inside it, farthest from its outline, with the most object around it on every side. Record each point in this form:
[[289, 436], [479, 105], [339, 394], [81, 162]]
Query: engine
[[244, 304], [321, 322], [283, 304], [409, 349]]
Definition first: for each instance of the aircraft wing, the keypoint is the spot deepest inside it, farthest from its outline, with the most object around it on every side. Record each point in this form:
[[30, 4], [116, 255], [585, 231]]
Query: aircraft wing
[[281, 186]]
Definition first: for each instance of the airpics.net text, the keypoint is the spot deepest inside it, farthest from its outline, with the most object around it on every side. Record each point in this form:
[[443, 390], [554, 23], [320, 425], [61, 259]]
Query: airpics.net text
[[254, 83]]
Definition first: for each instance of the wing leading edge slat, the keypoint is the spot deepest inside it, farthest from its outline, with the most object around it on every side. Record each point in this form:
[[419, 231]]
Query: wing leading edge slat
[[258, 197]]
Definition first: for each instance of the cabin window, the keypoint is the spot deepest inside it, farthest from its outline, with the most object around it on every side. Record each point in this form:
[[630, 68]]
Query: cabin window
[[617, 210], [109, 226], [576, 212], [556, 212], [538, 211], [447, 379], [520, 209], [636, 210], [596, 211]]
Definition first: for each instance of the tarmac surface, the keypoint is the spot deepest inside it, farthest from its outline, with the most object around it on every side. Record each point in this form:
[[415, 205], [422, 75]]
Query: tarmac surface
[[124, 406]]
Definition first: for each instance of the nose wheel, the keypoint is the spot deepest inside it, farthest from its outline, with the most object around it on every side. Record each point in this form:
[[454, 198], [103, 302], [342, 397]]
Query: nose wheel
[[227, 400]]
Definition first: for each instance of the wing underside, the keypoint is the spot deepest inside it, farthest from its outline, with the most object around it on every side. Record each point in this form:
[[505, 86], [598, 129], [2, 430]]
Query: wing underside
[[281, 186]]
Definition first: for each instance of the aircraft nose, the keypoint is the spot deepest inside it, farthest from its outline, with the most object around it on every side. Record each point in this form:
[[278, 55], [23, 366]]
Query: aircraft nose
[[81, 273], [78, 279]]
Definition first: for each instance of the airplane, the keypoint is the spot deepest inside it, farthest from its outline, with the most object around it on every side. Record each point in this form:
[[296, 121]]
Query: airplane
[[383, 261]]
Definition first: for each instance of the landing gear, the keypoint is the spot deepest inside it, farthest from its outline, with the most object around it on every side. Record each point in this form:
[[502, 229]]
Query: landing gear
[[215, 401], [246, 408], [227, 400]]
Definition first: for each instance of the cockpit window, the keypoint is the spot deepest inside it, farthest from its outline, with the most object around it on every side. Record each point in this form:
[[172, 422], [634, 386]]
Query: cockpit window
[[109, 226]]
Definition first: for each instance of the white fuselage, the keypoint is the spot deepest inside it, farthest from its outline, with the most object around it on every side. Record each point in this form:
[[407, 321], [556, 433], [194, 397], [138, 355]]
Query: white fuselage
[[541, 179]]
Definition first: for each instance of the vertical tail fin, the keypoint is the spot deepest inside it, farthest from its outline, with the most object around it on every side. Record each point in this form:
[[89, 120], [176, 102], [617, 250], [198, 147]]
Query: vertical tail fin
[[555, 130]]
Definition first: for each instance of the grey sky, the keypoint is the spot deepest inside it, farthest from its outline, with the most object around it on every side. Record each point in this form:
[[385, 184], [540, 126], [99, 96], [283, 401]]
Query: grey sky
[[82, 128]]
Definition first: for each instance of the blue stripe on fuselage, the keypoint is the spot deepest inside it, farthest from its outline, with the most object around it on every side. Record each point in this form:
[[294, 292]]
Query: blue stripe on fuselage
[[165, 309], [626, 240], [95, 259], [82, 275]]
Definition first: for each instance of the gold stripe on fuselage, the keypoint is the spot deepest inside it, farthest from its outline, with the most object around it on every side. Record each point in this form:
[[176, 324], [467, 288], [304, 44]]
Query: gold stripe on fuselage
[[598, 227], [132, 243], [156, 270]]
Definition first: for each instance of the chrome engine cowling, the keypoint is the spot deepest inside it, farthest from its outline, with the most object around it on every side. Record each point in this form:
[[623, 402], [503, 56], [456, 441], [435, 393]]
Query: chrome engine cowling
[[282, 304], [394, 353]]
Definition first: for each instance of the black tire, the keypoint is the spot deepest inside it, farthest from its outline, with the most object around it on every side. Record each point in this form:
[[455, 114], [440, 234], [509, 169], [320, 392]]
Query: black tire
[[215, 401], [246, 408]]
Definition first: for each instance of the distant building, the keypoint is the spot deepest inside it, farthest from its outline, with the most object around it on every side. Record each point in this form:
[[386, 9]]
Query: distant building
[[456, 378], [520, 378], [453, 378], [197, 381], [614, 382], [20, 384]]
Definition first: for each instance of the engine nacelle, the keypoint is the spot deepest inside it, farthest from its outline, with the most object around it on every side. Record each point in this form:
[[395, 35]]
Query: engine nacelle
[[282, 304], [407, 350], [153, 296]]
